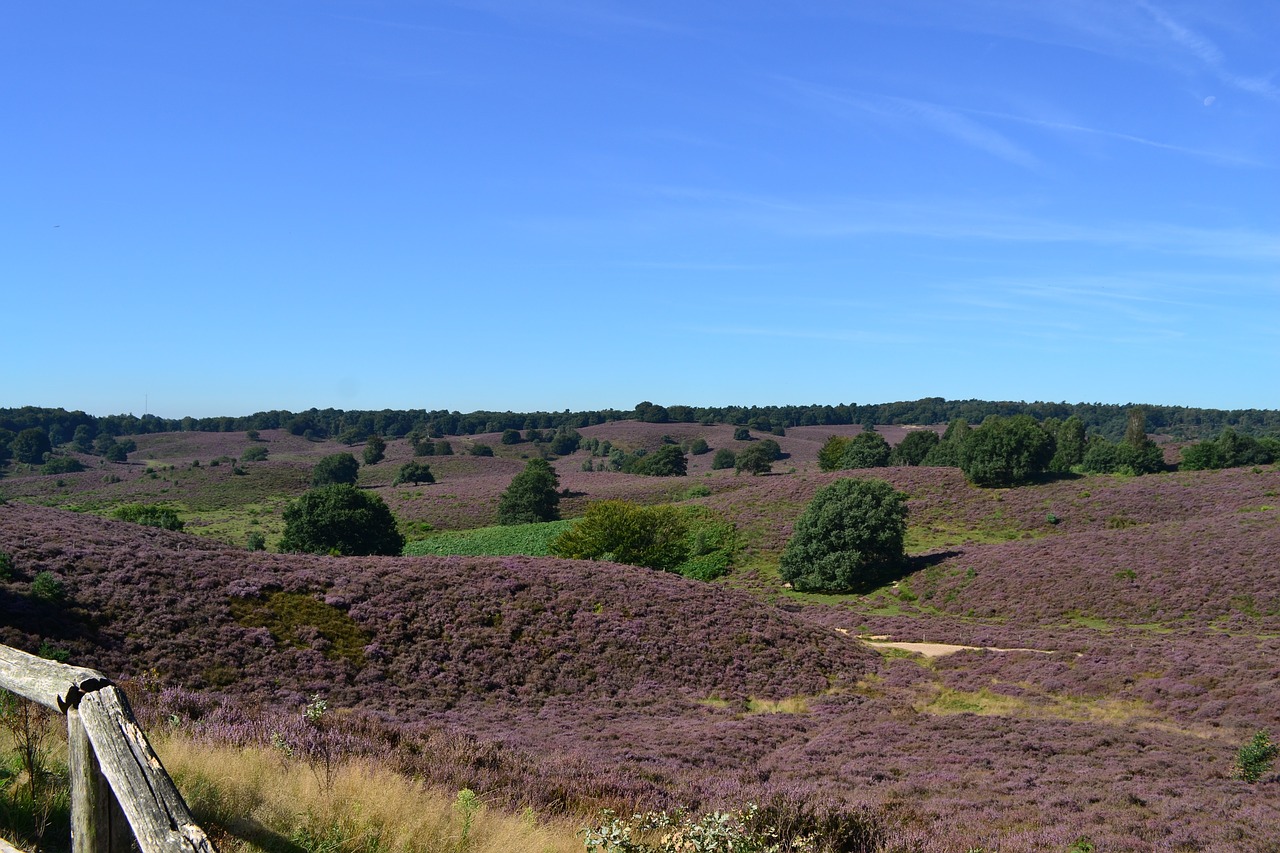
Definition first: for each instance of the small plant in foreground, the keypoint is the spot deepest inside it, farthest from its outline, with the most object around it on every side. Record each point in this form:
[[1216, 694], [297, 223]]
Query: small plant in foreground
[[1255, 758], [468, 805], [47, 587]]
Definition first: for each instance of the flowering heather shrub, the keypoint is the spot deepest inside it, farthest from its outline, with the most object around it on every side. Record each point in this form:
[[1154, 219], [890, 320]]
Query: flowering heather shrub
[[534, 681]]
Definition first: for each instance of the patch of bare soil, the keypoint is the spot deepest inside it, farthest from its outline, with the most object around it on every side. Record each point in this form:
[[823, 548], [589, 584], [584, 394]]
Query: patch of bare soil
[[933, 650]]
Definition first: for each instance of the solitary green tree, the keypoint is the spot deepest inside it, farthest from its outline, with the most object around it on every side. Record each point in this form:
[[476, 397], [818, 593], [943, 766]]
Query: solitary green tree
[[755, 460], [334, 469], [531, 496], [375, 449], [413, 472], [850, 533], [342, 520]]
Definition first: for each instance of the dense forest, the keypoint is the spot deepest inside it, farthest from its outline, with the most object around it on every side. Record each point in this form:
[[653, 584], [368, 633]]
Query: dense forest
[[1105, 419]]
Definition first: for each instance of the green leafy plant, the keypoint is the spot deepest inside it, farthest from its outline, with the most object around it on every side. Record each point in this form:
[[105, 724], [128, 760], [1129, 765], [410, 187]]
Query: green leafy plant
[[532, 495], [335, 468], [413, 472], [1255, 758], [849, 533], [340, 519], [46, 587], [651, 536]]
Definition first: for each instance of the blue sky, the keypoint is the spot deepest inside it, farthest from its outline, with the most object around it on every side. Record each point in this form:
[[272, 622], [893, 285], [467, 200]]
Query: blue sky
[[226, 207]]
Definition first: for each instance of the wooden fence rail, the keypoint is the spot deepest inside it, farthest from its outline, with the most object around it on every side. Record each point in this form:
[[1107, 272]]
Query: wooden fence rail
[[118, 786]]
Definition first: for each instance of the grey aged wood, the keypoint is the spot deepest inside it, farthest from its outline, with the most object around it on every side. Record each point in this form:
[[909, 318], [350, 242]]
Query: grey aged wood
[[49, 683], [6, 847], [147, 796], [119, 790], [97, 824]]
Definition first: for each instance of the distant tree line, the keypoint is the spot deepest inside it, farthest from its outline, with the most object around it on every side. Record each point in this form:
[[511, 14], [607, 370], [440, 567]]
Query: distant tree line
[[1006, 451], [353, 427]]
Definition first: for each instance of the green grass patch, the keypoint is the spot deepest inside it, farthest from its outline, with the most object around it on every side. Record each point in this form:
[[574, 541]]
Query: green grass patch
[[532, 540], [1092, 622], [284, 613]]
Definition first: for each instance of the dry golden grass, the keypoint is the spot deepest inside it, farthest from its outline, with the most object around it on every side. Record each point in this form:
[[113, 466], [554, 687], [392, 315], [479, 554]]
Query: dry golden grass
[[250, 800]]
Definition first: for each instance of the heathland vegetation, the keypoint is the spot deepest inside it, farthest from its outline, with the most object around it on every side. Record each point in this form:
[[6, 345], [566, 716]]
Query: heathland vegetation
[[662, 609]]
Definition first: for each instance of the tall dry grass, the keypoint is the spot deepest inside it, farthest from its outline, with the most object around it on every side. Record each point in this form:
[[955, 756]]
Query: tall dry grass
[[256, 799]]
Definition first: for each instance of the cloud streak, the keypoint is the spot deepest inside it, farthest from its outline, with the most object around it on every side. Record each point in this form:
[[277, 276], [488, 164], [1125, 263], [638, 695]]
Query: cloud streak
[[899, 111]]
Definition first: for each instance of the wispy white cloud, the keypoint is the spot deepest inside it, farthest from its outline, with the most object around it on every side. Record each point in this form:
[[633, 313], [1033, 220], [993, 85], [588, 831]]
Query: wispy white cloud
[[806, 334], [578, 16], [1123, 137], [1208, 53], [940, 119]]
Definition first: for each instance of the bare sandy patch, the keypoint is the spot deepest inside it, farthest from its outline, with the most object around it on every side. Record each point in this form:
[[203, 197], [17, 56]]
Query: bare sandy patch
[[934, 650]]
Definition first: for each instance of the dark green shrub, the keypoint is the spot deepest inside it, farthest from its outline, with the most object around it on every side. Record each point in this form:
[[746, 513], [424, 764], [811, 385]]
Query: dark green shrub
[[481, 449], [1203, 456], [375, 449], [150, 515], [342, 520], [742, 434], [31, 445], [914, 447], [699, 446], [755, 460], [849, 534], [335, 469], [866, 450], [565, 442], [444, 448], [1070, 442], [6, 565], [47, 587], [511, 436], [831, 454], [413, 472], [255, 541], [1255, 758], [666, 461], [533, 495], [650, 536], [61, 465], [724, 458], [1006, 452], [257, 453]]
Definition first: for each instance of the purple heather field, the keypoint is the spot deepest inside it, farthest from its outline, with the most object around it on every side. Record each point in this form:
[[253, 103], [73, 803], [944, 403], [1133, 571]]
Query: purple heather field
[[1137, 622]]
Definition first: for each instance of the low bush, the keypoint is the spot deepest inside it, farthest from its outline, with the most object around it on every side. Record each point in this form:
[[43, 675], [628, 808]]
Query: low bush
[[257, 453], [150, 515], [1256, 757], [47, 587], [62, 465]]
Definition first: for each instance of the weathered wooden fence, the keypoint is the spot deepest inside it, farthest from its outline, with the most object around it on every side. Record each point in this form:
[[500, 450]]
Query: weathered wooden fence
[[118, 786]]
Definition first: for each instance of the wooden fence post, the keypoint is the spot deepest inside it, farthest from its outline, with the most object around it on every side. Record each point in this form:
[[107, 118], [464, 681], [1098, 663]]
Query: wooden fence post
[[97, 824]]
